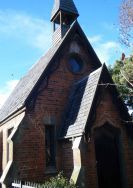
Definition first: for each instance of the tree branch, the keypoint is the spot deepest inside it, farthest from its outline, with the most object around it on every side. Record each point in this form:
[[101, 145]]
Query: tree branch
[[126, 79]]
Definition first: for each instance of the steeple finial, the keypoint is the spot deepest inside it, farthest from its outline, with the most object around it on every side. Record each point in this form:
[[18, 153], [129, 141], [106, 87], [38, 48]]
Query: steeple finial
[[64, 13]]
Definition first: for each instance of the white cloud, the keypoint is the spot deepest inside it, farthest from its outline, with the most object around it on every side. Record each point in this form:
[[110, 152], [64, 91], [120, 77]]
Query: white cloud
[[23, 28], [95, 39], [34, 31], [6, 91], [37, 33], [107, 51]]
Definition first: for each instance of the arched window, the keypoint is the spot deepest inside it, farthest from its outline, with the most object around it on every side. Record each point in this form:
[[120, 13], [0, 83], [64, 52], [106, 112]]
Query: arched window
[[50, 145], [75, 64]]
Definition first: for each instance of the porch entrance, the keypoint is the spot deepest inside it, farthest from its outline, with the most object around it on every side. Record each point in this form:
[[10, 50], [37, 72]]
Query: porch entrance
[[107, 156]]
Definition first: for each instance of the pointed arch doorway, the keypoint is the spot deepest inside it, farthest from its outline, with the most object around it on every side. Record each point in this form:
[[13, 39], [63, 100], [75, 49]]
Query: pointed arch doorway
[[107, 156]]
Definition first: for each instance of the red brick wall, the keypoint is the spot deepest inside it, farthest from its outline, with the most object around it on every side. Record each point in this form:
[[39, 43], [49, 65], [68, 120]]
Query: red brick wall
[[67, 158], [89, 164], [29, 147], [29, 152]]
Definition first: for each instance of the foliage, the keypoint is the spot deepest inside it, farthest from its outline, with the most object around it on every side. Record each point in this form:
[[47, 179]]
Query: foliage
[[126, 22], [59, 182], [122, 74]]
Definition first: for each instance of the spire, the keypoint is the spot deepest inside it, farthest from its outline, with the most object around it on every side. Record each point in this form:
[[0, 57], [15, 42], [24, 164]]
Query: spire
[[66, 6], [64, 13]]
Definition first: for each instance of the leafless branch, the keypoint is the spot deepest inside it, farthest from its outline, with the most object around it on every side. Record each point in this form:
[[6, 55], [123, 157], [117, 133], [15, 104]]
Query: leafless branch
[[126, 22]]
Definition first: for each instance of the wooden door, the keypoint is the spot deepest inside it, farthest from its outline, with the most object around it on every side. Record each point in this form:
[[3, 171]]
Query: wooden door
[[107, 156]]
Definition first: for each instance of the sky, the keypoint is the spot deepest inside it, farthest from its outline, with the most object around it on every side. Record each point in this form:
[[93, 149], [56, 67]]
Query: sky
[[26, 32]]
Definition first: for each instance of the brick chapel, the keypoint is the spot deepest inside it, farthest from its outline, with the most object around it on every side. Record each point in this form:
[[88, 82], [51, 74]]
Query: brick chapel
[[66, 115]]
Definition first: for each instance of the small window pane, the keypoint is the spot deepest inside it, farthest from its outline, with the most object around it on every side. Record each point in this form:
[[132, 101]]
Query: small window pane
[[75, 65], [50, 145]]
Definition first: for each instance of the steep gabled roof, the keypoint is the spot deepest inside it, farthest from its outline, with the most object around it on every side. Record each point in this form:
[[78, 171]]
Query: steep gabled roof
[[28, 83], [81, 103]]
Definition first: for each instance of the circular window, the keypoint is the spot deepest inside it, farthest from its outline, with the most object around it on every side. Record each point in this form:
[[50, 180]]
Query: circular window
[[75, 64]]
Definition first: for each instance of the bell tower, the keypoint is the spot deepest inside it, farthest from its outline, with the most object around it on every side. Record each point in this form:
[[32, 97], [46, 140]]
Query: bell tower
[[64, 13]]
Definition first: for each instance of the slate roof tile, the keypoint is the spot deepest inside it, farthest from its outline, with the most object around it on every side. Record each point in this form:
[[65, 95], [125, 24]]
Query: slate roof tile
[[80, 102]]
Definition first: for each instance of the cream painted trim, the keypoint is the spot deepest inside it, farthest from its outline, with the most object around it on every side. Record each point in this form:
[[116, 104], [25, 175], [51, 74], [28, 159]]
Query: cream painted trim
[[5, 172], [76, 143], [12, 122], [7, 141], [76, 159], [19, 111], [4, 157]]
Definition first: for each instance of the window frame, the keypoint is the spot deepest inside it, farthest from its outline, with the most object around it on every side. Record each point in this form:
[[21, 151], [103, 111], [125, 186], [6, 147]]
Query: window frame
[[50, 148], [79, 61]]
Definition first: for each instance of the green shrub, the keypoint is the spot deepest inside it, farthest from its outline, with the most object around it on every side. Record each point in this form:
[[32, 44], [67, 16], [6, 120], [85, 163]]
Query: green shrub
[[58, 182]]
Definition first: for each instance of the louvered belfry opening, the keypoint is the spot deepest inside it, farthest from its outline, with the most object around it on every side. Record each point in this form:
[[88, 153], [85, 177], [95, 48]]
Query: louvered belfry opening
[[64, 13]]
